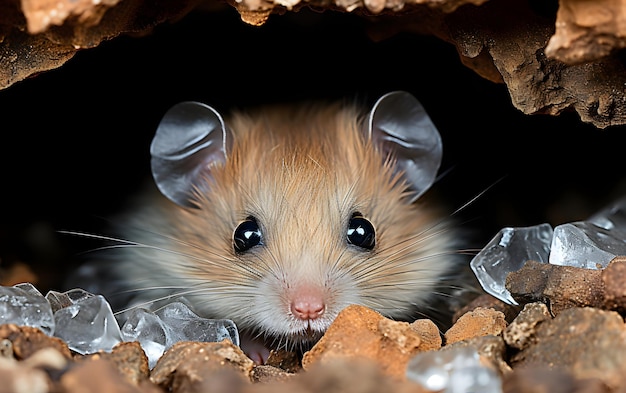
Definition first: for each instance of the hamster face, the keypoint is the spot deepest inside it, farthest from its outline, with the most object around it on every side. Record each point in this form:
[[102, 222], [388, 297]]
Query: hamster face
[[305, 217]]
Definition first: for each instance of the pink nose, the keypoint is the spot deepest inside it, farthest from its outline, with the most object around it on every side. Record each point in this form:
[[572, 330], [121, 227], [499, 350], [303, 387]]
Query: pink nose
[[308, 304]]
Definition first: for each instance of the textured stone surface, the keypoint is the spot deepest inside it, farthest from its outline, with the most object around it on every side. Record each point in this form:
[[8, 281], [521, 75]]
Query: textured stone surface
[[476, 323], [561, 287], [40, 35], [588, 30], [551, 62], [521, 332], [27, 340], [589, 342], [541, 379], [359, 332], [187, 365], [613, 278], [129, 359]]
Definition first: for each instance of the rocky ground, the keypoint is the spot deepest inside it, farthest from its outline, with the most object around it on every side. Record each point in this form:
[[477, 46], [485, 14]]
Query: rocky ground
[[567, 335]]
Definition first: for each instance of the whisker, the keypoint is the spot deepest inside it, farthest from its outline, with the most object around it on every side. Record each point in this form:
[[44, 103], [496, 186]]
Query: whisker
[[133, 244], [238, 292], [477, 196]]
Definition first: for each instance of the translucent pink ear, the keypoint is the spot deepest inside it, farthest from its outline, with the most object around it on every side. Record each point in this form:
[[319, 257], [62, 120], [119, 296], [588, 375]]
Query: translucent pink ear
[[190, 140], [401, 128]]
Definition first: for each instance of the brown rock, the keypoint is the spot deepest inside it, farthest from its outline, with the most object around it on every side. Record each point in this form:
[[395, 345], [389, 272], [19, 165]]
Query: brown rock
[[550, 63], [27, 340], [265, 374], [587, 31], [186, 365], [129, 359], [40, 35], [561, 287], [521, 331], [476, 323], [30, 375], [507, 40], [98, 376], [588, 342], [285, 360], [614, 279], [359, 332], [429, 334], [17, 378], [193, 376], [554, 380], [527, 285], [341, 375], [487, 301]]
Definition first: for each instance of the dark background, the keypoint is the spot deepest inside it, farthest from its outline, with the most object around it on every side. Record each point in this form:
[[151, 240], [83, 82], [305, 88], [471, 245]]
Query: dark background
[[74, 141]]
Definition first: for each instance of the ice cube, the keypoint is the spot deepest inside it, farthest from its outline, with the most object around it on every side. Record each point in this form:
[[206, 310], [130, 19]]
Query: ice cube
[[158, 331], [455, 370], [88, 325], [24, 305], [586, 245], [59, 300], [612, 217], [149, 330], [185, 325], [507, 252]]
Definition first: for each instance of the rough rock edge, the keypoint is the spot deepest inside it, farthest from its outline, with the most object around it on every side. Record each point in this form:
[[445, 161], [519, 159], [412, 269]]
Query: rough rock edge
[[549, 64]]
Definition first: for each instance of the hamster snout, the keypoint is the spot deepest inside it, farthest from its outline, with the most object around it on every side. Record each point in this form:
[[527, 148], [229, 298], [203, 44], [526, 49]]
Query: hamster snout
[[307, 303]]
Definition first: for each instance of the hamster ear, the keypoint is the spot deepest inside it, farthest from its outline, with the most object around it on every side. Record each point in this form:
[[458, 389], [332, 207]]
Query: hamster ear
[[401, 128], [190, 140]]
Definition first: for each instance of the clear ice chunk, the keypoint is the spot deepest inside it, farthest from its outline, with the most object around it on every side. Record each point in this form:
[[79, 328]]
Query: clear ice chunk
[[88, 325], [507, 252], [157, 331], [59, 300], [612, 217], [146, 328], [586, 245], [457, 370], [187, 326], [24, 305]]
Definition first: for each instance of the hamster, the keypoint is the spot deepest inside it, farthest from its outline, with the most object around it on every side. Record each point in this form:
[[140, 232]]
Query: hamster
[[281, 217]]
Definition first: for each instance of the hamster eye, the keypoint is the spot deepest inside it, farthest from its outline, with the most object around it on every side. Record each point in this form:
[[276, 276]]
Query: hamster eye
[[247, 235], [361, 232]]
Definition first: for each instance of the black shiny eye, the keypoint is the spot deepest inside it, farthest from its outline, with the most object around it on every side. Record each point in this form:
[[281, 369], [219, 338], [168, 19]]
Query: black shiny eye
[[247, 235], [361, 232]]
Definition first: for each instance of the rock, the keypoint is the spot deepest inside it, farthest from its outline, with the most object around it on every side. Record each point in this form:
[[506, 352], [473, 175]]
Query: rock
[[521, 332], [285, 360], [561, 287], [553, 380], [551, 62], [587, 31], [23, 380], [129, 359], [27, 340], [100, 375], [476, 323], [588, 342], [361, 333], [613, 278], [188, 366], [341, 375], [265, 374], [485, 300]]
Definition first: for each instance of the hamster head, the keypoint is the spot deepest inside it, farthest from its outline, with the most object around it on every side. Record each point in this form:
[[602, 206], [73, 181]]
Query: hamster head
[[296, 214]]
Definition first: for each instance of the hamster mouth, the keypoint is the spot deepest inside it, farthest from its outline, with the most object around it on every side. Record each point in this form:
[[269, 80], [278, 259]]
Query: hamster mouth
[[302, 340]]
